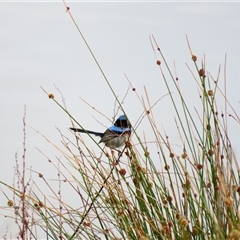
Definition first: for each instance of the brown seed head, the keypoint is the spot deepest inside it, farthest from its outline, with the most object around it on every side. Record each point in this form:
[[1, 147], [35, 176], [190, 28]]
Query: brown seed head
[[183, 221], [122, 171], [210, 152], [136, 180], [208, 127], [178, 216], [208, 185], [87, 224], [184, 155], [167, 167], [10, 203], [138, 168], [146, 154], [194, 58], [201, 72], [199, 166], [50, 95], [169, 198], [210, 93]]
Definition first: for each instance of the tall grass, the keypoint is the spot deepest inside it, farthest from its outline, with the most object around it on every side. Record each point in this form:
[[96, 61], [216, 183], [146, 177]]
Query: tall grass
[[123, 195]]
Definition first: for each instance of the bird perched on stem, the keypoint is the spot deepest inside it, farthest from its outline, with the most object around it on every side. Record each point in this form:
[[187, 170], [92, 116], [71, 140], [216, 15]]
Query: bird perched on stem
[[115, 136]]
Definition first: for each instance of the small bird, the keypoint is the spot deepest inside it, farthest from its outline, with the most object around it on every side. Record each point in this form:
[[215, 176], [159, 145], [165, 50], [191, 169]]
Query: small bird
[[115, 136]]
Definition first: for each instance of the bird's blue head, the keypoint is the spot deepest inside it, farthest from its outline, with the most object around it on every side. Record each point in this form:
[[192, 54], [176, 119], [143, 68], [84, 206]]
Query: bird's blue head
[[122, 122], [122, 117]]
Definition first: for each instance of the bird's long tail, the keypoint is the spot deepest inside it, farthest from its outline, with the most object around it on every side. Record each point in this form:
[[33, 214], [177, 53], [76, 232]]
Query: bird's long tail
[[99, 134]]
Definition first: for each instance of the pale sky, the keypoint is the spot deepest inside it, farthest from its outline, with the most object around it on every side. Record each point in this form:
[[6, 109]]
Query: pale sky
[[40, 46]]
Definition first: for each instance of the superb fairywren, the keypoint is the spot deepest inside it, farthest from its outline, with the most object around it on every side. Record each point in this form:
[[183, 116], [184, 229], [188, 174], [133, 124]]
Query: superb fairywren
[[115, 136]]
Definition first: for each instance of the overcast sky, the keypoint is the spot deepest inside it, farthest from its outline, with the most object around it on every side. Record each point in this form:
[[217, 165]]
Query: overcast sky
[[40, 46]]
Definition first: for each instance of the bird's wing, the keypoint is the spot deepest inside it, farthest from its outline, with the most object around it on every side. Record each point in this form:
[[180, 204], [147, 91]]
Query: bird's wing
[[108, 135], [113, 132]]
